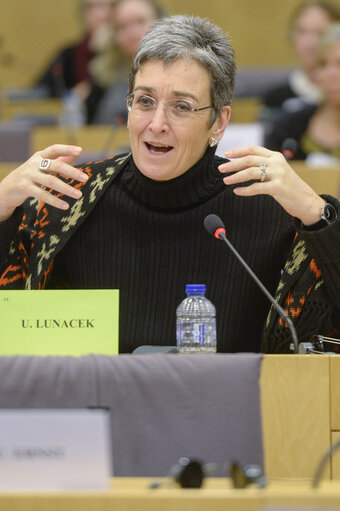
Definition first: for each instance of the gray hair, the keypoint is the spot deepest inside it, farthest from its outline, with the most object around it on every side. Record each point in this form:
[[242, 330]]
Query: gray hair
[[329, 37], [192, 38]]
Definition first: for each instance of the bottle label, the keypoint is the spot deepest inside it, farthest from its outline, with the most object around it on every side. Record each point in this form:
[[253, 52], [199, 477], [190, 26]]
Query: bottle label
[[199, 334], [193, 335]]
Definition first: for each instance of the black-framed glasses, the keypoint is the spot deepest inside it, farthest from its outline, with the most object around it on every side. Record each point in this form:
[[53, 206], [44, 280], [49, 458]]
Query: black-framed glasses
[[144, 106]]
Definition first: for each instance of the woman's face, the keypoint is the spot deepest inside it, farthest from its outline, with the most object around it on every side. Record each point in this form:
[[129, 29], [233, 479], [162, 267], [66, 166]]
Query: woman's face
[[98, 14], [329, 74], [132, 20], [306, 32], [163, 149]]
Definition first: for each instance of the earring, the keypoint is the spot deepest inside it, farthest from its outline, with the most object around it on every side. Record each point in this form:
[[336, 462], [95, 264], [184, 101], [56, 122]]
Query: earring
[[213, 142]]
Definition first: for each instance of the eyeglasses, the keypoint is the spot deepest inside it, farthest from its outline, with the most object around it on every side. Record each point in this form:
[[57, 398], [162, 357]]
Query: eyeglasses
[[144, 106]]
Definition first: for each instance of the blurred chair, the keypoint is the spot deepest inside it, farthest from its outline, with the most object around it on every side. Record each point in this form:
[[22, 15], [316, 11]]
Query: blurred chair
[[163, 407], [256, 82], [15, 141]]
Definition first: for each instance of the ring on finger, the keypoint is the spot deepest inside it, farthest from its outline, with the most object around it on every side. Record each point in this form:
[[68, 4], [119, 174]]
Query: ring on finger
[[45, 164], [263, 172]]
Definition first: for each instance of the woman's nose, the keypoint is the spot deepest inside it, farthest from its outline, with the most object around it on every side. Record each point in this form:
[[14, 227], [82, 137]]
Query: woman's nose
[[160, 118]]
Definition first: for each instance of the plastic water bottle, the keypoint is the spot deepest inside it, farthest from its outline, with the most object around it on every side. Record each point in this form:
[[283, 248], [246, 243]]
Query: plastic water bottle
[[196, 322]]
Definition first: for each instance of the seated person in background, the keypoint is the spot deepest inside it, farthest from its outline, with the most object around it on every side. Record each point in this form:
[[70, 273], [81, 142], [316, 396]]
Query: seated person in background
[[70, 68], [315, 128], [135, 222], [106, 101], [307, 23]]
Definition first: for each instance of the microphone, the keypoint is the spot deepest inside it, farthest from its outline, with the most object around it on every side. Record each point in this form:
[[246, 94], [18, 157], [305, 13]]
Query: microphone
[[288, 148], [215, 227]]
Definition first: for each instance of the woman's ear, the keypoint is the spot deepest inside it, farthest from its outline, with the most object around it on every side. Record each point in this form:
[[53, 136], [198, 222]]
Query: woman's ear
[[220, 123]]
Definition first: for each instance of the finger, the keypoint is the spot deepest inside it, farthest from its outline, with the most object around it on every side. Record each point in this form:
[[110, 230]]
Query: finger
[[252, 150], [253, 189], [52, 182], [58, 167], [251, 174], [56, 150], [48, 198], [242, 163]]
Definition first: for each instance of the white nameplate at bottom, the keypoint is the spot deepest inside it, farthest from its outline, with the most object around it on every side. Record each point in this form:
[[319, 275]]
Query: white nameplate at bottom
[[54, 449]]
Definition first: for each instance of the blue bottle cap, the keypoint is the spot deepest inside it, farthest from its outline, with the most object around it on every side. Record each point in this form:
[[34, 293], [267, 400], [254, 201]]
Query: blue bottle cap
[[195, 288]]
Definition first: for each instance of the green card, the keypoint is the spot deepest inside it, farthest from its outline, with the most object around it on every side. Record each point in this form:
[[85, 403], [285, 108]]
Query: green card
[[59, 322]]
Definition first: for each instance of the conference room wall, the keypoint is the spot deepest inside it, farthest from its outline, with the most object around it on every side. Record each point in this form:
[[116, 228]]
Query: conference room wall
[[31, 32]]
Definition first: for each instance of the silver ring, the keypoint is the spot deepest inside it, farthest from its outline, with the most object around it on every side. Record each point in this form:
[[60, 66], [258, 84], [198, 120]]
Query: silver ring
[[45, 164], [263, 172]]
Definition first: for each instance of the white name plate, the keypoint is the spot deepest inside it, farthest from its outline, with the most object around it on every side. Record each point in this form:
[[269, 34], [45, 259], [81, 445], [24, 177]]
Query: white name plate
[[54, 449]]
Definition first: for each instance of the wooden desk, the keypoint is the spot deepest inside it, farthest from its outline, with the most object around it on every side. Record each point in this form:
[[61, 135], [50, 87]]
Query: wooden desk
[[321, 179], [134, 495], [90, 138], [43, 107], [301, 414]]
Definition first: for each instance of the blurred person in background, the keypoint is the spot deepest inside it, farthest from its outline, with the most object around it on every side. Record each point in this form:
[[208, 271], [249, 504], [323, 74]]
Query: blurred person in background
[[316, 128], [131, 20], [307, 23], [69, 69]]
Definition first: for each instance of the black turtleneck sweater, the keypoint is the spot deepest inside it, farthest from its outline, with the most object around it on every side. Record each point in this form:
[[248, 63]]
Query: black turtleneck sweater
[[146, 238]]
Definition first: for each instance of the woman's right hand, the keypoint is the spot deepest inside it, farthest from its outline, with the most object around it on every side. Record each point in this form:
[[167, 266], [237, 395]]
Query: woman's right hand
[[28, 180]]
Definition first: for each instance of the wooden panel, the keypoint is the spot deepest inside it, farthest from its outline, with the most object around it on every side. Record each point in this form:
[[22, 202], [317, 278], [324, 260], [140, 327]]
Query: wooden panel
[[90, 138], [335, 392], [258, 30], [321, 179], [31, 32], [295, 413], [245, 110], [45, 107]]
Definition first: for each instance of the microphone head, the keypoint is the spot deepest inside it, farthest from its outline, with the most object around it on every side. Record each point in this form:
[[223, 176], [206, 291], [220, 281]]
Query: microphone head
[[214, 225], [289, 147]]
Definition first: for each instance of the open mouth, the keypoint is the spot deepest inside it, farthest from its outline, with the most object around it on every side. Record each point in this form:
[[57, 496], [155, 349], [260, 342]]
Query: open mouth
[[158, 148]]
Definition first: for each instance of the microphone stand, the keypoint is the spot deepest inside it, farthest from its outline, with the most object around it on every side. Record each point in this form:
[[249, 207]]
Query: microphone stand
[[279, 309]]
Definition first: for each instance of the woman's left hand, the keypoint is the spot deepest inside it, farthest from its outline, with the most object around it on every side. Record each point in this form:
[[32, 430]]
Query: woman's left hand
[[278, 180]]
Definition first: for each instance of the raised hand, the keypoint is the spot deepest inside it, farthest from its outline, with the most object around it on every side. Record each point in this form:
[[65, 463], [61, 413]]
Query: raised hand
[[274, 177], [40, 171]]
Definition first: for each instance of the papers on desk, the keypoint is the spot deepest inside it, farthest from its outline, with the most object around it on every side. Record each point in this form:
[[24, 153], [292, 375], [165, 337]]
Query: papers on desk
[[54, 449]]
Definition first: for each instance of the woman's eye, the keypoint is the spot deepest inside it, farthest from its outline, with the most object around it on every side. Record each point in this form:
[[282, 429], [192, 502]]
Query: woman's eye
[[182, 107], [145, 101]]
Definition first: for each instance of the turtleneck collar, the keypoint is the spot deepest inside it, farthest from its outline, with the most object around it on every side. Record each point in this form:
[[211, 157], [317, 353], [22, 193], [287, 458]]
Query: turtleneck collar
[[202, 181]]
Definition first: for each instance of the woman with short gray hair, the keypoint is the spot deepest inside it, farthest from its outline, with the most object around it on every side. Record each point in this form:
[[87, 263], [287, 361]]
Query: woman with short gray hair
[[193, 39], [135, 222]]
